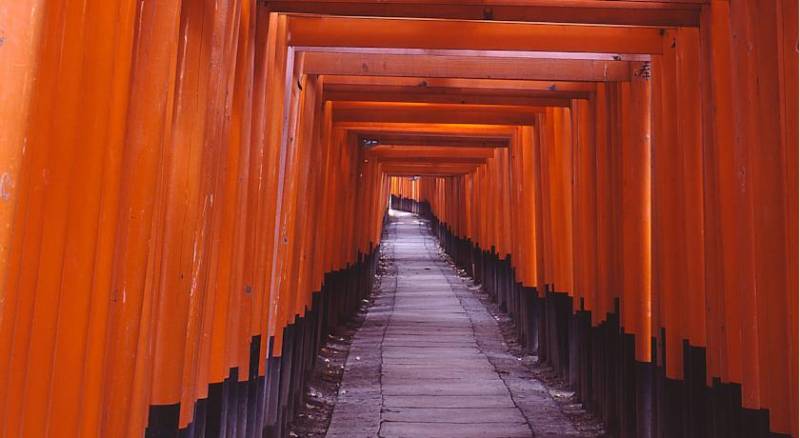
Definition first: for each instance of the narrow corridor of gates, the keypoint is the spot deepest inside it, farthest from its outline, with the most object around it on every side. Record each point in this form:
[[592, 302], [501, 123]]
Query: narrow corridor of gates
[[429, 359], [192, 194]]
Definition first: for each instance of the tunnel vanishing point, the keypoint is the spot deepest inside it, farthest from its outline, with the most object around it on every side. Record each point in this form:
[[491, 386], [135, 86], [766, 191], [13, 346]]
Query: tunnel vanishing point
[[193, 192]]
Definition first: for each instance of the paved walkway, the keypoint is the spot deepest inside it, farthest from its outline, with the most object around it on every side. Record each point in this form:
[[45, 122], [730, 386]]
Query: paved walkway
[[429, 360]]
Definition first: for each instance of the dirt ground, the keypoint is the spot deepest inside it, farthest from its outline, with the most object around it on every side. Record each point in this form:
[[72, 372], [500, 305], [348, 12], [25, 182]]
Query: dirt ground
[[314, 417]]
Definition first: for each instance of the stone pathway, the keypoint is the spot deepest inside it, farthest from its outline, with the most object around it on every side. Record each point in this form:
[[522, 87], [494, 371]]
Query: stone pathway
[[429, 360]]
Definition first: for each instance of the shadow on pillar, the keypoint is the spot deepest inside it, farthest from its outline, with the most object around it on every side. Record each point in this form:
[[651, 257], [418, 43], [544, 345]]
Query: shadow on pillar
[[256, 405]]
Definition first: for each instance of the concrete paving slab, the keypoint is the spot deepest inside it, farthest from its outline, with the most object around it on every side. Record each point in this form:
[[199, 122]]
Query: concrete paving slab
[[448, 401], [428, 343], [436, 430], [417, 387], [432, 353], [480, 415], [436, 373]]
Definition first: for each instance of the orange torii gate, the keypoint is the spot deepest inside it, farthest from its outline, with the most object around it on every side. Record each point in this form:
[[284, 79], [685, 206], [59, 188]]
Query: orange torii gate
[[192, 194]]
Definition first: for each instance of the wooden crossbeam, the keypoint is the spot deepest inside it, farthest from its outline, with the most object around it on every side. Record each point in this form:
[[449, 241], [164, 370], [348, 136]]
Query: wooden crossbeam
[[431, 160], [403, 94], [404, 112], [324, 63], [449, 90], [484, 85], [387, 152], [426, 140], [537, 54], [335, 31], [428, 168], [411, 173], [431, 130], [652, 13], [441, 95]]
